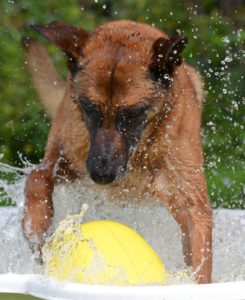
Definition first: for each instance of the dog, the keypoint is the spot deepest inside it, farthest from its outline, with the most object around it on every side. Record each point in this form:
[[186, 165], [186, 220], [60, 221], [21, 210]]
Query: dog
[[129, 115]]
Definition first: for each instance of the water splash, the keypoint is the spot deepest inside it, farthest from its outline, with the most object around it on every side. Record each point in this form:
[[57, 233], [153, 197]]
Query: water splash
[[152, 221]]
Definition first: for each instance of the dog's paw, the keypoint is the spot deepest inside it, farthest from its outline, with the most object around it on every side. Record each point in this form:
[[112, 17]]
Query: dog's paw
[[36, 230]]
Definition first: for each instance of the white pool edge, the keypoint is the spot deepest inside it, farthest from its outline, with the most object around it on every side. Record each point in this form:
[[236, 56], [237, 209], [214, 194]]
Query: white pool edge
[[39, 286]]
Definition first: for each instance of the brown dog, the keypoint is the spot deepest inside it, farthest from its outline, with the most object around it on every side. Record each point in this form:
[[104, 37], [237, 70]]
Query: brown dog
[[129, 116]]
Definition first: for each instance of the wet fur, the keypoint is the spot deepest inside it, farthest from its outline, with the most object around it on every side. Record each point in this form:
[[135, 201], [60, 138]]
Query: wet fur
[[167, 161]]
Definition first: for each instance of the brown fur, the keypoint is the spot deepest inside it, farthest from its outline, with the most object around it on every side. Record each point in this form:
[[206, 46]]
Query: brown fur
[[47, 81], [168, 159]]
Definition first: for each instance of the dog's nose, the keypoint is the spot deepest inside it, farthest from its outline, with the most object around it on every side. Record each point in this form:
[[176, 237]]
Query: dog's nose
[[101, 170], [102, 177], [103, 162]]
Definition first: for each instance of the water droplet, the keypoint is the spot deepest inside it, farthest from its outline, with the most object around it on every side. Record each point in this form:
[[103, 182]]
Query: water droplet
[[226, 40], [228, 59]]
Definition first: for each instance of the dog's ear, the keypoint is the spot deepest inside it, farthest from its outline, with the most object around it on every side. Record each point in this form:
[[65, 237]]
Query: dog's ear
[[166, 56], [68, 38]]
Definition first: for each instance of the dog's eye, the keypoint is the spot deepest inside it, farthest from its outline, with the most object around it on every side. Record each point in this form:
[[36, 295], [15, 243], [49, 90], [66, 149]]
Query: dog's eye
[[134, 113], [88, 109], [92, 114], [130, 118]]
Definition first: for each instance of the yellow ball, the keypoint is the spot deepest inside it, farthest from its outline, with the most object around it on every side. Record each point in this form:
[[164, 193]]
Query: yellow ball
[[101, 252]]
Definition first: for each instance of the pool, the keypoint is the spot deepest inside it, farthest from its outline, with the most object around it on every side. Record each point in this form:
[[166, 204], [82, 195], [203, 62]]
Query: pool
[[20, 274]]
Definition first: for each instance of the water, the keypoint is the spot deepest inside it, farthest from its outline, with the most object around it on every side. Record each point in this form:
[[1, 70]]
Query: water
[[149, 218]]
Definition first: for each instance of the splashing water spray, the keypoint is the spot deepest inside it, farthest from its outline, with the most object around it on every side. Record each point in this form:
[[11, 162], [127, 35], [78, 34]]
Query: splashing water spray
[[101, 252]]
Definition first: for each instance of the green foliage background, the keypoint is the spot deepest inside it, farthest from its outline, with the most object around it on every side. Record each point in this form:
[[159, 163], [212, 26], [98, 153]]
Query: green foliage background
[[215, 48]]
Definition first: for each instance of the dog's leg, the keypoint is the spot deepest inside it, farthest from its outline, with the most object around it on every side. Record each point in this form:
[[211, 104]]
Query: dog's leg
[[196, 226], [38, 210], [187, 199]]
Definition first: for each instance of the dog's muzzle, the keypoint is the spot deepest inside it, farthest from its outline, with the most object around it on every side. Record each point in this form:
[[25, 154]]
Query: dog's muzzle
[[102, 170], [107, 157]]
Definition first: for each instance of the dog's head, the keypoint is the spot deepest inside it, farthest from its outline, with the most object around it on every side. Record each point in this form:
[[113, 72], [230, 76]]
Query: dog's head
[[117, 78]]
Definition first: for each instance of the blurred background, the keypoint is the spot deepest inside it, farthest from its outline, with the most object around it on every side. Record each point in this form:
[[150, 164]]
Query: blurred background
[[216, 48]]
